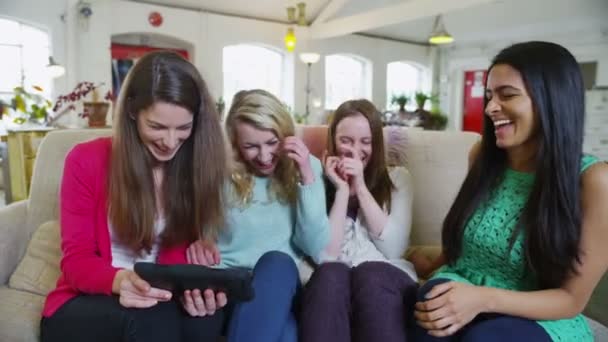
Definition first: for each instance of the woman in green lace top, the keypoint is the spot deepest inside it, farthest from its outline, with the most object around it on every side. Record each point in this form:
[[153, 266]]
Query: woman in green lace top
[[524, 243]]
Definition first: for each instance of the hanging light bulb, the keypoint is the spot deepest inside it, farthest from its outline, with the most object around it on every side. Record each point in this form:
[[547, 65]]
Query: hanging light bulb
[[439, 34], [290, 36], [290, 40]]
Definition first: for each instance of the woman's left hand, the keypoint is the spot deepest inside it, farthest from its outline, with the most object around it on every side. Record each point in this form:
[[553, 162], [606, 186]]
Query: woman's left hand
[[199, 304], [297, 150], [453, 305], [351, 167]]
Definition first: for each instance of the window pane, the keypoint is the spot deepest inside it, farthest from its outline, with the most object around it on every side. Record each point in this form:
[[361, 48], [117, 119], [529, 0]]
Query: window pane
[[32, 36], [248, 67], [11, 33], [345, 79], [35, 59], [405, 78], [25, 51], [10, 68]]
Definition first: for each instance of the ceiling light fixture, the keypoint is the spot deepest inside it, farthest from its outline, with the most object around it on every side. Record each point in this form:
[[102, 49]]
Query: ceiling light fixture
[[54, 69], [440, 35]]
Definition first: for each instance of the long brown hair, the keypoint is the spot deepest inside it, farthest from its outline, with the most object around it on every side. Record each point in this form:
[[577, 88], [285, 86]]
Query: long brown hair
[[376, 174], [264, 111], [194, 178]]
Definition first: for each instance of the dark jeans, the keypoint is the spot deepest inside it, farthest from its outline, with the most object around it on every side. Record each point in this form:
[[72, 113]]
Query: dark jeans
[[370, 302], [100, 318], [269, 316], [486, 327]]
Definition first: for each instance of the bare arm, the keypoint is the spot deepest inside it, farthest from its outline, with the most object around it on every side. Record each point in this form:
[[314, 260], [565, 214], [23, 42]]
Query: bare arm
[[552, 304], [572, 297], [337, 220], [337, 213]]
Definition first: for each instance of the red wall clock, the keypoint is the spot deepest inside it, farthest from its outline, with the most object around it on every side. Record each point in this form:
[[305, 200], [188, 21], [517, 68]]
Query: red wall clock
[[155, 19]]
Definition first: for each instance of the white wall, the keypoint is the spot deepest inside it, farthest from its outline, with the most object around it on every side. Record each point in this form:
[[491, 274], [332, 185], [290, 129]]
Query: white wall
[[585, 46], [84, 45]]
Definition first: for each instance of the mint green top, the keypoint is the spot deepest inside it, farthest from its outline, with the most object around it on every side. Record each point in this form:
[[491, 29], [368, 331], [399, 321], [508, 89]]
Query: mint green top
[[269, 225], [486, 259]]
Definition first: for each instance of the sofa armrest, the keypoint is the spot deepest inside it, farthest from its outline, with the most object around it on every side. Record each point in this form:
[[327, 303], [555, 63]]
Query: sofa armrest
[[13, 237]]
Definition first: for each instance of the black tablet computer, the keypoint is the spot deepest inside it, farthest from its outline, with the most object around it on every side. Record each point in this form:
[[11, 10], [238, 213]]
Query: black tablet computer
[[236, 283]]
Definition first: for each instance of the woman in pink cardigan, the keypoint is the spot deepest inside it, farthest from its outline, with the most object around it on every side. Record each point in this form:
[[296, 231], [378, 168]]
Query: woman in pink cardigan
[[143, 195]]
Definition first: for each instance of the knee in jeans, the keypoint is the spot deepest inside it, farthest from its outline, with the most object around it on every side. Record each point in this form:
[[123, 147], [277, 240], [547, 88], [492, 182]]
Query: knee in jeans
[[332, 275], [427, 287], [371, 274], [480, 332], [280, 262]]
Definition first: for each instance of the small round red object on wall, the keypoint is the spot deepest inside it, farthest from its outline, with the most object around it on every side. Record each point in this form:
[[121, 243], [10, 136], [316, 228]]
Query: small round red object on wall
[[155, 19]]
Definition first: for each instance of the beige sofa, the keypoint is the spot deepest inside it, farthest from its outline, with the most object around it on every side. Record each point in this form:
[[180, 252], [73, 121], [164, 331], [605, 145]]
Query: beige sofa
[[29, 234]]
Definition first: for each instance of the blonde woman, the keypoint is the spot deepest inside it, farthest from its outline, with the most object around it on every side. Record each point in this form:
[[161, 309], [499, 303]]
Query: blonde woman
[[275, 214]]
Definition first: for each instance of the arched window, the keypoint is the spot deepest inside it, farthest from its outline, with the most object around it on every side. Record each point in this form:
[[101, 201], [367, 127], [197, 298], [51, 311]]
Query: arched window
[[25, 53], [406, 78], [347, 77], [252, 66]]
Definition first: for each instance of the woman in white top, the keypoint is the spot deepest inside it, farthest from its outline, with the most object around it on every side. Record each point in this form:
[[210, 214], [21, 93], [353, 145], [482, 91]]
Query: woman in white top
[[364, 288]]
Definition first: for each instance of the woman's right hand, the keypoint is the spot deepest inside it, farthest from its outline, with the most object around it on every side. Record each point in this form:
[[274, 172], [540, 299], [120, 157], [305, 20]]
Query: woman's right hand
[[202, 252], [330, 167], [135, 292]]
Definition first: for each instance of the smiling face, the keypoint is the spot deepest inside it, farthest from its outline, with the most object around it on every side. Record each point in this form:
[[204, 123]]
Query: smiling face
[[354, 132], [163, 128], [510, 108], [259, 148]]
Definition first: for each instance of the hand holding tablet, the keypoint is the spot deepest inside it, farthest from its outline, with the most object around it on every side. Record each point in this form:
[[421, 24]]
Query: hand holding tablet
[[235, 283]]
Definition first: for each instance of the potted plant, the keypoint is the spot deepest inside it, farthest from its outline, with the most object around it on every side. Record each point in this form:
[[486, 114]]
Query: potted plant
[[95, 110], [421, 99], [435, 119], [400, 100], [27, 106]]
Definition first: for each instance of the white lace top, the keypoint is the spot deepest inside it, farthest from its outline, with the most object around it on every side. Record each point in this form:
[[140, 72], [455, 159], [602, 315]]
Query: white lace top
[[359, 246]]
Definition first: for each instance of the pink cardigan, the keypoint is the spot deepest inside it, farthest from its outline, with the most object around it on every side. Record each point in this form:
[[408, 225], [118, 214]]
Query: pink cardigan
[[86, 265]]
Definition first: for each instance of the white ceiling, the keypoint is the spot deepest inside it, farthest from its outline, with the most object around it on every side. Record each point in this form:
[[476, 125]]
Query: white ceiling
[[477, 21]]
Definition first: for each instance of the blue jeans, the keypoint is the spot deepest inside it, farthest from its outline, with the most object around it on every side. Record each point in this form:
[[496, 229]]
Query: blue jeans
[[269, 316], [485, 327]]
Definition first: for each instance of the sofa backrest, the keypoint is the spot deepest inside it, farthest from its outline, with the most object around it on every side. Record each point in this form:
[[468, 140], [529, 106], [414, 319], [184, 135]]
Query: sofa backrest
[[43, 203], [436, 160]]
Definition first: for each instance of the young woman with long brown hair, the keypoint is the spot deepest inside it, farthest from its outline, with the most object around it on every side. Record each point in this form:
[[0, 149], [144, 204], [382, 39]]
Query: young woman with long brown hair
[[363, 290], [143, 194]]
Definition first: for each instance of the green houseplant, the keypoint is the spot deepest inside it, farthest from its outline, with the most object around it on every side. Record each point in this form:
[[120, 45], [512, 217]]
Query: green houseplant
[[435, 120], [27, 106], [421, 99], [401, 100]]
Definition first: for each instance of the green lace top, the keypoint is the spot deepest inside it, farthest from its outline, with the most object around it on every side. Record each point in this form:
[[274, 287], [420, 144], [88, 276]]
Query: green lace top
[[487, 260]]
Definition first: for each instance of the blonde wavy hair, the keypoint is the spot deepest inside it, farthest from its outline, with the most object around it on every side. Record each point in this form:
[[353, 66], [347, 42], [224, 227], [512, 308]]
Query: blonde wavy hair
[[264, 111]]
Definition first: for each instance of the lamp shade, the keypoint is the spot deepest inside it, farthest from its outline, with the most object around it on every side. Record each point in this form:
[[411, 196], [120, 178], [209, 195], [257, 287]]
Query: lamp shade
[[310, 57], [54, 69], [440, 35], [290, 40]]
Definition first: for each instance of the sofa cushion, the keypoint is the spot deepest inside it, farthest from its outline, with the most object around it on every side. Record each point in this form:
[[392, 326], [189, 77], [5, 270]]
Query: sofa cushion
[[39, 269], [19, 315]]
